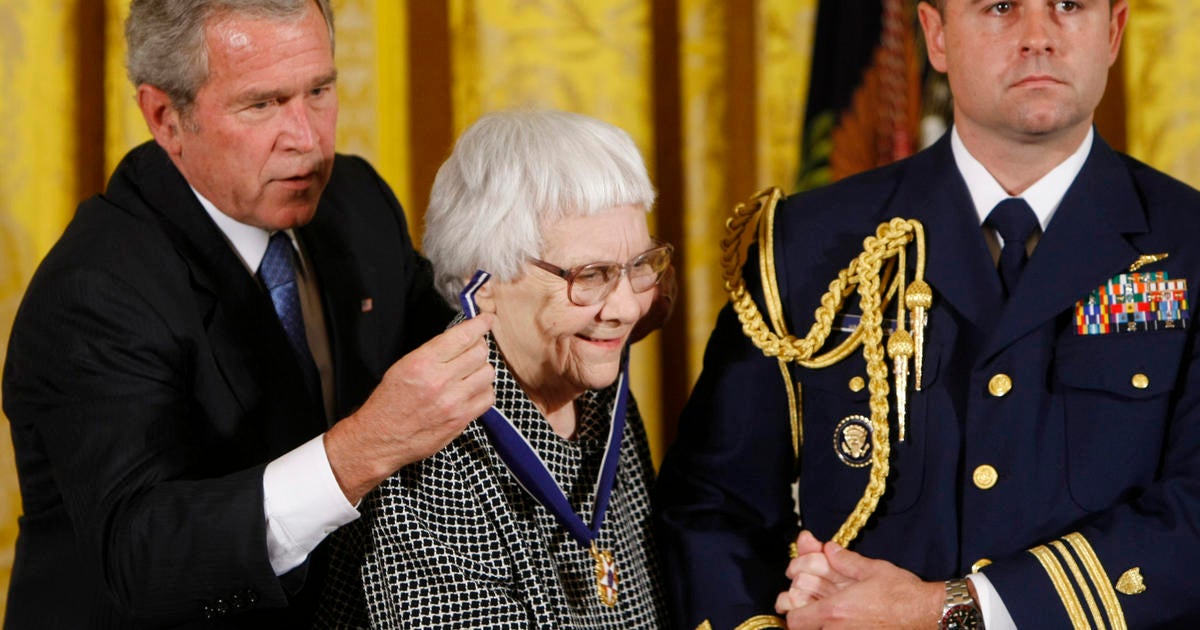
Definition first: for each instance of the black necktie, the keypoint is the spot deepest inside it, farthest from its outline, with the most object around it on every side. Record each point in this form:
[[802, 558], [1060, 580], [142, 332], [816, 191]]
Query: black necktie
[[1015, 221], [279, 275]]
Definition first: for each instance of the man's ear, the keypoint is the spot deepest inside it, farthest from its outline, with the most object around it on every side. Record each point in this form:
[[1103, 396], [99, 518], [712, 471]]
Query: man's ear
[[935, 35], [164, 121], [1119, 14]]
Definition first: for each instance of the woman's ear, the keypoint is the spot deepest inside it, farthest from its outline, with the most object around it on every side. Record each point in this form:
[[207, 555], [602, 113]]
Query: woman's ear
[[485, 298]]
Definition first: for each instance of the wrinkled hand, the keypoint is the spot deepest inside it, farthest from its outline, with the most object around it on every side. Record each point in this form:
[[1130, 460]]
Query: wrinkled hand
[[660, 309], [854, 591], [424, 401]]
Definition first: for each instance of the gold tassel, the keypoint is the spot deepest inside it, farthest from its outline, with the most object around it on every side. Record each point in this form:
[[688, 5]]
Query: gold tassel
[[900, 348], [918, 298]]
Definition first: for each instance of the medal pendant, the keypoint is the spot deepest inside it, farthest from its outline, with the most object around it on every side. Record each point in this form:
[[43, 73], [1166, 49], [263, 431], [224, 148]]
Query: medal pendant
[[606, 575]]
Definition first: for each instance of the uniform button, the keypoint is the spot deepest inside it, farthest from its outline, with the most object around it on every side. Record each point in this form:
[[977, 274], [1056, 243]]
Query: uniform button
[[999, 385], [985, 477], [979, 564], [1140, 381], [857, 384]]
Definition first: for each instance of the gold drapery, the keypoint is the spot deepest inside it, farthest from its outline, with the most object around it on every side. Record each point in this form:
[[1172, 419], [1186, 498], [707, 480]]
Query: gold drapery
[[712, 92]]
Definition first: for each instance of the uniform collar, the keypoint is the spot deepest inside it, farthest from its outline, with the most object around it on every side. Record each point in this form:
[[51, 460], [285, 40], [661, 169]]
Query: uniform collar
[[1044, 196]]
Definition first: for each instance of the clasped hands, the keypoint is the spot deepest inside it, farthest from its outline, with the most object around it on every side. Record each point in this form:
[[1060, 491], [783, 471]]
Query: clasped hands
[[833, 587]]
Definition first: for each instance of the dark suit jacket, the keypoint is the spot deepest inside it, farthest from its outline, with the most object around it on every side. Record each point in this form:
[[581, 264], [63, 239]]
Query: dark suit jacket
[[1096, 476], [148, 382]]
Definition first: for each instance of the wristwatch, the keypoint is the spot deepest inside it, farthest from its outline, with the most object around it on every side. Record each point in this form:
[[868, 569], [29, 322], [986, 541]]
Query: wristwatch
[[960, 612]]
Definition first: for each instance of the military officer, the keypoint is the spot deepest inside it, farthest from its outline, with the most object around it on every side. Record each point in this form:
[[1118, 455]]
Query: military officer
[[1027, 452]]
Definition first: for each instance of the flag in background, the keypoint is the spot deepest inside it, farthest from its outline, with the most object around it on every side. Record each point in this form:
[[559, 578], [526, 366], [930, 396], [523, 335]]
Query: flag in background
[[865, 93]]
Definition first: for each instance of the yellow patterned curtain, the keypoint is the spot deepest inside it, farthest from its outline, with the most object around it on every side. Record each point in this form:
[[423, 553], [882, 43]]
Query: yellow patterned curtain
[[38, 186], [1161, 57]]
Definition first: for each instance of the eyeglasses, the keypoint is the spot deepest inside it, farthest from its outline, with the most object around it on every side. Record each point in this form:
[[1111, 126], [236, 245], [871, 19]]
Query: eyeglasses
[[591, 283]]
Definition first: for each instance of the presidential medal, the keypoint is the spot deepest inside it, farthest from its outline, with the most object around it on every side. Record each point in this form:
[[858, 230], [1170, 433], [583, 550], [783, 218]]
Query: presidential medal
[[606, 575]]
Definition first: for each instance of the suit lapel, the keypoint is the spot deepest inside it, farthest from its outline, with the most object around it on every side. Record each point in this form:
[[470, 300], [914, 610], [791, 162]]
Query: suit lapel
[[248, 345], [343, 294], [1084, 245]]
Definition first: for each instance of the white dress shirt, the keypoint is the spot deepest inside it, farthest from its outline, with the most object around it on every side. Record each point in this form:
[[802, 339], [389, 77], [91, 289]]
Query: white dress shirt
[[302, 501]]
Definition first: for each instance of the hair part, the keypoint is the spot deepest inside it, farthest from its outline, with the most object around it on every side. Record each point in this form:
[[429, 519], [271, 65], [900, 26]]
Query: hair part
[[514, 172], [166, 39]]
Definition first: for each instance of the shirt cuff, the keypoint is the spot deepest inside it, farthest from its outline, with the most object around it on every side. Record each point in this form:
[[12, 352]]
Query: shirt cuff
[[303, 504], [995, 613]]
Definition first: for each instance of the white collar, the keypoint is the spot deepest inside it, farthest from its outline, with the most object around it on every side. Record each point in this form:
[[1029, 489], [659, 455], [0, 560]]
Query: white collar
[[1044, 196], [248, 241]]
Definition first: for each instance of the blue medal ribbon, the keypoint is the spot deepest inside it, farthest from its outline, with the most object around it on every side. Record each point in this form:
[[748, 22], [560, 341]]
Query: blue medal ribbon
[[530, 470]]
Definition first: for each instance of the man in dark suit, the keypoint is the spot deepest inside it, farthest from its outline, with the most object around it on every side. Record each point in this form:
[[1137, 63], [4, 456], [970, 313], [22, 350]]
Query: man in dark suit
[[1049, 471], [181, 353]]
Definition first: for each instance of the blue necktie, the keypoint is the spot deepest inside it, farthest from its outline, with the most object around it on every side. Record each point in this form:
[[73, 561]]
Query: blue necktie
[[1015, 221], [279, 276]]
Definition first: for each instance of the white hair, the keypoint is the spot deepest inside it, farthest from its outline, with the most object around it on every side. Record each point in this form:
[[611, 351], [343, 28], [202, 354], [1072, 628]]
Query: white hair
[[514, 172]]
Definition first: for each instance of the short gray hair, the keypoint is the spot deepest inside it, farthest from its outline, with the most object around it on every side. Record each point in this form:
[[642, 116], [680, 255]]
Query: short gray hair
[[165, 39], [514, 172]]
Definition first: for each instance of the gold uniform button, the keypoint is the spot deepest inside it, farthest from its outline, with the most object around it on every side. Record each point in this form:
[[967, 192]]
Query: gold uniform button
[[857, 384], [979, 564], [1140, 381], [999, 385], [985, 477]]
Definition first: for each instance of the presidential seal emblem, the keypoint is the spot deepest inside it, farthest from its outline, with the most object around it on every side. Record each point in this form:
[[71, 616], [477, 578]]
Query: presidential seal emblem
[[852, 441]]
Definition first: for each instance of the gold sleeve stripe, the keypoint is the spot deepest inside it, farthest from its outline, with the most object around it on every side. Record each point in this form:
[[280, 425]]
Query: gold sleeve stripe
[[754, 623], [1079, 580], [1058, 577], [761, 621], [1104, 587]]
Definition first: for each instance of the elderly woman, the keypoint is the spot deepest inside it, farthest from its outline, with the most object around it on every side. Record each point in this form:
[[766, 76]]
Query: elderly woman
[[537, 516]]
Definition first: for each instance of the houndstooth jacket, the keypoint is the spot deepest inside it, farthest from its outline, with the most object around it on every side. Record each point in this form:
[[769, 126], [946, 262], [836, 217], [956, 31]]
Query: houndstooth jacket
[[454, 541]]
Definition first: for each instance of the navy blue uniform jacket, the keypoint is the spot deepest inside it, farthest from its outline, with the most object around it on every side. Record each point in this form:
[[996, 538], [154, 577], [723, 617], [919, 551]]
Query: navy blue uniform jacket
[[1098, 467], [148, 382]]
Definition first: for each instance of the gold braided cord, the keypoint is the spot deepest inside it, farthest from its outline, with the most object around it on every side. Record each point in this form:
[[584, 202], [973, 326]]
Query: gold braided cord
[[766, 269], [766, 258], [866, 274]]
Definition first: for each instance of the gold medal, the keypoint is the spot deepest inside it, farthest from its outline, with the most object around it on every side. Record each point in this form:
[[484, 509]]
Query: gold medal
[[606, 575]]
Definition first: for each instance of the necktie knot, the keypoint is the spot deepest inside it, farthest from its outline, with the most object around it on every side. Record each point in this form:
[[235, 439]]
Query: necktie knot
[[276, 268], [1015, 221]]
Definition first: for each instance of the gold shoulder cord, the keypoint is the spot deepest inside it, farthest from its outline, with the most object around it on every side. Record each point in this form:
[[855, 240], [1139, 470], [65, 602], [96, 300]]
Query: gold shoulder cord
[[881, 263]]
